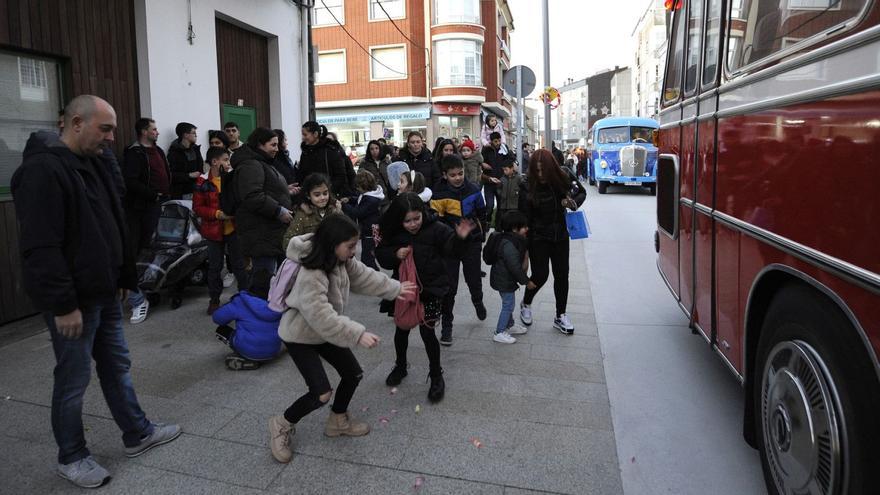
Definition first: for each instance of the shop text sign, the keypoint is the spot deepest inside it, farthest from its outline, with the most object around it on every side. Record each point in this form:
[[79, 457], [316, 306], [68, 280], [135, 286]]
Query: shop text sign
[[456, 108]]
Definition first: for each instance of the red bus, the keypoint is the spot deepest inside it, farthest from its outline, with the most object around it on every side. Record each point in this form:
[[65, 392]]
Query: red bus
[[768, 213]]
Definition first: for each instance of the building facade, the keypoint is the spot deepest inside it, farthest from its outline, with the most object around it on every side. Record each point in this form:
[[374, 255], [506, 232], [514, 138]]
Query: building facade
[[621, 93], [387, 68], [572, 113], [170, 60], [649, 38]]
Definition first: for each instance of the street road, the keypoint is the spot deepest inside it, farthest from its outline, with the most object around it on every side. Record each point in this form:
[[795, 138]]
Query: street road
[[676, 409]]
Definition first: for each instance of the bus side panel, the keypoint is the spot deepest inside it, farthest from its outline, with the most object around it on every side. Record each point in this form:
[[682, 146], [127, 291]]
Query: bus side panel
[[670, 139], [729, 322], [687, 157], [705, 171]]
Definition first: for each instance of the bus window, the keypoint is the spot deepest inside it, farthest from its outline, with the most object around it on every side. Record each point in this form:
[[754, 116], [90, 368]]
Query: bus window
[[643, 133], [761, 28], [672, 85], [613, 135], [713, 38], [695, 35]]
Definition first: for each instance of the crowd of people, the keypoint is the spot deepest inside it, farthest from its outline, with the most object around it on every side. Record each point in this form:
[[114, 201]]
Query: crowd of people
[[262, 214]]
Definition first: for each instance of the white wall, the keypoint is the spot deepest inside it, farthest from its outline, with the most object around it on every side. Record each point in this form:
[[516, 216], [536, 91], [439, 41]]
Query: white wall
[[178, 80]]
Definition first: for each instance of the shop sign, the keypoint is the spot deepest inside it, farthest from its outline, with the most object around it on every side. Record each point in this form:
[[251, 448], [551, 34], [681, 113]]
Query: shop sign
[[456, 108], [378, 116]]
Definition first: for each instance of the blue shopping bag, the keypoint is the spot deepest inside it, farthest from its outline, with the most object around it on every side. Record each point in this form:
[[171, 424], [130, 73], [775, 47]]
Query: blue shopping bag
[[577, 224]]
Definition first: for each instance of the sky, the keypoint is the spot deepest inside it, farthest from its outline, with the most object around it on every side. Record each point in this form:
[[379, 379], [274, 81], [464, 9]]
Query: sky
[[586, 36]]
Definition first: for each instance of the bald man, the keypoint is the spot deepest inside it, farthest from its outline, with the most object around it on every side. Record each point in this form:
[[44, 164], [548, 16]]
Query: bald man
[[75, 264]]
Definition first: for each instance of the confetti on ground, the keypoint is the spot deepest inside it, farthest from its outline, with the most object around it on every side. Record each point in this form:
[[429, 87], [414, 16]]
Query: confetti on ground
[[394, 411], [418, 409], [419, 482], [393, 390], [476, 441], [365, 409], [383, 420]]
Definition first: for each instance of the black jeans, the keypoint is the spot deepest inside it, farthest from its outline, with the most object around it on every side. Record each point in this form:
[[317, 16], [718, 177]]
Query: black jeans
[[541, 254], [489, 195], [432, 347], [470, 262], [368, 252], [216, 251], [307, 358]]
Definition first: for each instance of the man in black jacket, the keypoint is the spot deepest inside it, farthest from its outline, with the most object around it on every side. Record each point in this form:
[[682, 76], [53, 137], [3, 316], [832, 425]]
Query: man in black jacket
[[75, 260], [494, 157], [185, 160], [148, 184]]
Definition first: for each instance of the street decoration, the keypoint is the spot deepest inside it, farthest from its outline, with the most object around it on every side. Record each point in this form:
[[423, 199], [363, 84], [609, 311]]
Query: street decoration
[[551, 97]]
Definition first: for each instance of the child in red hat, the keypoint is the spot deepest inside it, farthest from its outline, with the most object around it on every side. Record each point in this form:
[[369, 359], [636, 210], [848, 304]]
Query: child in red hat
[[473, 172]]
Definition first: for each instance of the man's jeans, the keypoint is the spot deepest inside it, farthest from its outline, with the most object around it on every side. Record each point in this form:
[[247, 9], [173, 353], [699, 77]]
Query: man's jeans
[[102, 339], [505, 319], [135, 298]]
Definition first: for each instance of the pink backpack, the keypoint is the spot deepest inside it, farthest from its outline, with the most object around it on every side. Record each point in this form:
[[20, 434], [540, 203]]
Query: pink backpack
[[281, 284], [409, 311]]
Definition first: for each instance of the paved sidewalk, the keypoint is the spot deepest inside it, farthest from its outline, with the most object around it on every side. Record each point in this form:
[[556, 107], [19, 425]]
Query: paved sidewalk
[[539, 410]]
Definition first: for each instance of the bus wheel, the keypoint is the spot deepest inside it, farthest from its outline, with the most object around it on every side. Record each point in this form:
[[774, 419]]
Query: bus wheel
[[603, 186], [591, 181], [815, 396]]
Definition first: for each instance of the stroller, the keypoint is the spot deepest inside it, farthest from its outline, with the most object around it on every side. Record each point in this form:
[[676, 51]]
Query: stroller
[[178, 254]]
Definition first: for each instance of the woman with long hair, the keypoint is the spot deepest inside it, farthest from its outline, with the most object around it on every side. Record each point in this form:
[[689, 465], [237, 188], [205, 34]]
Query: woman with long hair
[[549, 192]]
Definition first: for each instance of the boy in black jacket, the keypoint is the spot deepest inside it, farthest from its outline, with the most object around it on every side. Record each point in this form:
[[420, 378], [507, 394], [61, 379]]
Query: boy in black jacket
[[508, 252], [455, 199]]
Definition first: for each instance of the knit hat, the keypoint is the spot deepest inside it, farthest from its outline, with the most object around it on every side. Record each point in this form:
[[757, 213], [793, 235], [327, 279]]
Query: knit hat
[[467, 143]]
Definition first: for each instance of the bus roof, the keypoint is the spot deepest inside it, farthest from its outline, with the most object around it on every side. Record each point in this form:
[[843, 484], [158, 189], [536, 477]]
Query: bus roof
[[625, 121]]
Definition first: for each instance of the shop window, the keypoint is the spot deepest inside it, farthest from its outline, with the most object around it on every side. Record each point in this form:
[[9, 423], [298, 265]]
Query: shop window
[[30, 98], [456, 11], [331, 68], [388, 62], [396, 9], [458, 62], [772, 26], [326, 10]]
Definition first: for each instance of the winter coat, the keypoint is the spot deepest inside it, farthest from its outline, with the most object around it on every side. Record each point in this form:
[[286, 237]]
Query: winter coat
[[317, 300], [546, 214], [139, 193], [366, 210], [206, 205], [485, 132], [184, 161], [508, 192], [256, 326], [64, 244], [284, 166], [507, 274], [378, 169], [263, 194], [496, 159], [452, 204], [326, 157], [306, 222], [431, 244], [424, 164], [473, 168]]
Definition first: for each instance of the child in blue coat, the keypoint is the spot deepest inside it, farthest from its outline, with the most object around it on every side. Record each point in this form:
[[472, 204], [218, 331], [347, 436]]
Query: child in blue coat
[[255, 336]]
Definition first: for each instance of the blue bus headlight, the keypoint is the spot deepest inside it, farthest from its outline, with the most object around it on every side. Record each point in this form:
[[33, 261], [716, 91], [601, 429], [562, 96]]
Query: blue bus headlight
[[603, 164]]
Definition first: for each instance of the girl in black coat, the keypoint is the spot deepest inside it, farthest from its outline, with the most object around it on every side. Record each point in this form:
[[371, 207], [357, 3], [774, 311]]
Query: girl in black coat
[[405, 227], [325, 156], [549, 192], [419, 158]]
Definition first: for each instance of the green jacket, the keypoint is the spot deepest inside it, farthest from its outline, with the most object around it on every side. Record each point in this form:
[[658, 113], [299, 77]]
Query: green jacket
[[508, 192]]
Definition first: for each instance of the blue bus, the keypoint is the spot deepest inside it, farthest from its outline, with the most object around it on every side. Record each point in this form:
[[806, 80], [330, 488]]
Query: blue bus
[[620, 150]]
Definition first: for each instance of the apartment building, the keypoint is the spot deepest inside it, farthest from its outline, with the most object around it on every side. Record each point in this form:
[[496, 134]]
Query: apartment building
[[649, 37], [388, 67], [621, 93]]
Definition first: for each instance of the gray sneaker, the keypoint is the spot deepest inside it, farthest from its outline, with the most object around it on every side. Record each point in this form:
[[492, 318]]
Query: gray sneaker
[[84, 473], [162, 434]]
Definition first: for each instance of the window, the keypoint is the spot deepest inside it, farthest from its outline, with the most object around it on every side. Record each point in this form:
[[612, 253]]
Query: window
[[331, 68], [388, 62], [613, 135], [458, 62], [396, 9], [456, 11], [695, 35], [768, 27], [713, 38], [672, 87], [30, 98], [326, 10]]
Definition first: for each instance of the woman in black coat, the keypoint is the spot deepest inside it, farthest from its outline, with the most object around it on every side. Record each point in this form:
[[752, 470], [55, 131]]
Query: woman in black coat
[[376, 162], [544, 198], [282, 161], [263, 213], [419, 158], [325, 156]]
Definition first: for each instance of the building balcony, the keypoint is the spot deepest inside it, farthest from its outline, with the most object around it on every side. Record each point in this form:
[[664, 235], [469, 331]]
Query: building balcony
[[458, 94]]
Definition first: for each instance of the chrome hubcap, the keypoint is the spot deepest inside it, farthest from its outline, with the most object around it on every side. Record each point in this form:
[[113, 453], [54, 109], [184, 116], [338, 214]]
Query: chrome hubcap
[[803, 431]]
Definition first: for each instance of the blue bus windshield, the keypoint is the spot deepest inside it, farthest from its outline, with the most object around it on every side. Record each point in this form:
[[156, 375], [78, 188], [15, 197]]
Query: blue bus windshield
[[619, 135]]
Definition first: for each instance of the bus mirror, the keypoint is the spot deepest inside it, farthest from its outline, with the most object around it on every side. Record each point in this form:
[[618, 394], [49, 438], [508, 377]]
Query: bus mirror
[[655, 137]]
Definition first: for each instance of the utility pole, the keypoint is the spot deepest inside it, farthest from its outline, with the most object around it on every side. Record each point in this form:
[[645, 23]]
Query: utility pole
[[545, 8], [519, 115]]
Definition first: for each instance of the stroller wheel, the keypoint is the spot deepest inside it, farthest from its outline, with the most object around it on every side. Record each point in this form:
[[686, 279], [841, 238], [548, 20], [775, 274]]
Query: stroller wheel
[[198, 276]]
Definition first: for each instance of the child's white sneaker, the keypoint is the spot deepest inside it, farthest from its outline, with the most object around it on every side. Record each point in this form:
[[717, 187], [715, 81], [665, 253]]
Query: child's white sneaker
[[517, 330], [525, 314], [504, 338]]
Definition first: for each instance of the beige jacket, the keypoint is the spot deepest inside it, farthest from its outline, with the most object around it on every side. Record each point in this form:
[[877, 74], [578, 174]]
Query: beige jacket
[[317, 300]]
